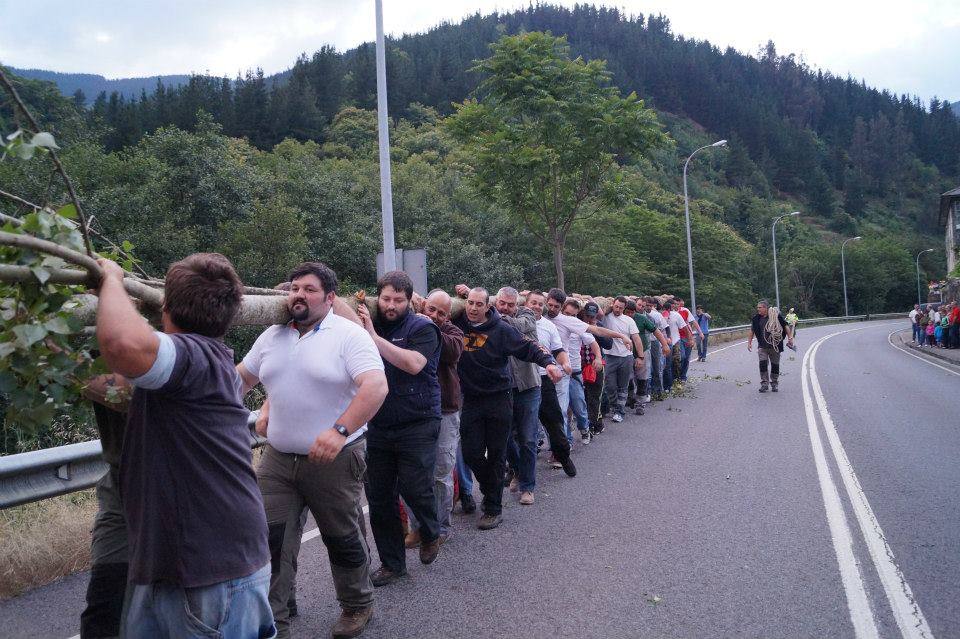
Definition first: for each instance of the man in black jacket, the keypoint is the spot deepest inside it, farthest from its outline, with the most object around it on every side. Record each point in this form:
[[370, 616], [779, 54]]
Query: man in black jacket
[[487, 399]]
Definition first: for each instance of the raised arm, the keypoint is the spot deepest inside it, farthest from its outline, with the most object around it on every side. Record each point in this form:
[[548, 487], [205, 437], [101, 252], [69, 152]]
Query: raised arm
[[127, 343]]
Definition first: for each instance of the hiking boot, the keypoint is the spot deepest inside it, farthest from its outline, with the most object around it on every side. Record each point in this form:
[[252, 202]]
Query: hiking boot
[[489, 522], [763, 387], [412, 540], [569, 468], [617, 418], [468, 504], [514, 485], [429, 551], [773, 387], [352, 622], [384, 577], [526, 498], [585, 437]]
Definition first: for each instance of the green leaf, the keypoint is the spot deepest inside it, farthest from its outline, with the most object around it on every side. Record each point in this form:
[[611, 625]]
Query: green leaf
[[58, 325], [127, 246], [69, 211], [29, 334]]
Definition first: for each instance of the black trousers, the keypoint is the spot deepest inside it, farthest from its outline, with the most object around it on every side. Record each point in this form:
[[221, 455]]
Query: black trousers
[[552, 419], [401, 461], [485, 423]]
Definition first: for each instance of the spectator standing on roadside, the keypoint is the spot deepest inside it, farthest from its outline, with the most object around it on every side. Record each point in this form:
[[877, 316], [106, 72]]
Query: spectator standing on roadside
[[437, 307], [771, 330], [703, 320], [487, 398], [325, 380], [197, 536], [402, 438], [915, 324], [955, 326], [619, 358]]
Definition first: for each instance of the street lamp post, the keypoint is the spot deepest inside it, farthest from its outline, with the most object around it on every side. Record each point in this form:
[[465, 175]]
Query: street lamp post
[[776, 276], [686, 210], [843, 266], [918, 273], [386, 189]]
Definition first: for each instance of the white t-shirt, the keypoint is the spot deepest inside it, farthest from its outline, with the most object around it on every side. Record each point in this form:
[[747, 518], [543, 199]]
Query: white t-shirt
[[310, 379], [675, 323], [913, 316], [576, 341], [549, 338], [568, 325], [623, 325]]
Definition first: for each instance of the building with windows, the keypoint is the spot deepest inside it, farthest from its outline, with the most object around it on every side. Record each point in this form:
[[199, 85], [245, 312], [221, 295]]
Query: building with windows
[[950, 218]]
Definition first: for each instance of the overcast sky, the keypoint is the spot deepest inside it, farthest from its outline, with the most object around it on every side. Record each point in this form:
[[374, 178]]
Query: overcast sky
[[908, 47]]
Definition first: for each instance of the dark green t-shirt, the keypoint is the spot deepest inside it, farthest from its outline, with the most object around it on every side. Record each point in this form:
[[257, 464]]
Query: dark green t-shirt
[[646, 327]]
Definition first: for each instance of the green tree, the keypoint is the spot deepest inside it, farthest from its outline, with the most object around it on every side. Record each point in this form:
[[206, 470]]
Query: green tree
[[545, 133]]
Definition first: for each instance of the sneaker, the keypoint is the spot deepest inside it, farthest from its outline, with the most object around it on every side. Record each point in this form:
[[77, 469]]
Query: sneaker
[[468, 504], [526, 499], [489, 522], [352, 622], [645, 399], [617, 418], [569, 468], [384, 576], [763, 387], [514, 485], [773, 387], [429, 551], [585, 437], [412, 540]]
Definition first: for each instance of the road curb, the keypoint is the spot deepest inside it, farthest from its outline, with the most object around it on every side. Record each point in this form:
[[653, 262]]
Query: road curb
[[928, 353]]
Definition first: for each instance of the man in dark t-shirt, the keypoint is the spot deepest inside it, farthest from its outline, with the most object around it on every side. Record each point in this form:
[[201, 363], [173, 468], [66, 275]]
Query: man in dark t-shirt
[[770, 339], [197, 529]]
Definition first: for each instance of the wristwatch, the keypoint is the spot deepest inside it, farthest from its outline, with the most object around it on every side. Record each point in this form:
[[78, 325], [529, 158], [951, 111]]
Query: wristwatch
[[342, 430]]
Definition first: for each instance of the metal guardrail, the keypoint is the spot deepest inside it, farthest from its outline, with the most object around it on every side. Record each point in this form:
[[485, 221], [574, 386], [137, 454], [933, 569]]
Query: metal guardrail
[[41, 474]]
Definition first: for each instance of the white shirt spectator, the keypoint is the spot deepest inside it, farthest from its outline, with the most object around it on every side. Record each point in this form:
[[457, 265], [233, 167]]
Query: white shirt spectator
[[549, 338], [623, 325], [567, 326], [310, 380], [913, 316]]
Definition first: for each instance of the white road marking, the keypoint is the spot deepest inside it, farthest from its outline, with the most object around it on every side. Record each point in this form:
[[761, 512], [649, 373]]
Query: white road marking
[[307, 536], [864, 624], [906, 610], [915, 356]]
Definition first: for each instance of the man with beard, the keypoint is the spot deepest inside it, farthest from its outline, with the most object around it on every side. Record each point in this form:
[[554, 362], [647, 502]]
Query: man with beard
[[402, 441], [324, 380], [488, 343]]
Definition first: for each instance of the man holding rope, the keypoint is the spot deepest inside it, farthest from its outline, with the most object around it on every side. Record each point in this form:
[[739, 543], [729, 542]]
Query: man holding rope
[[769, 327]]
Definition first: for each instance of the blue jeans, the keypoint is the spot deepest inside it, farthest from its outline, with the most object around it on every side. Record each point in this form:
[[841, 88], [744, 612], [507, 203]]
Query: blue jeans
[[578, 401], [668, 369], [464, 475], [563, 396], [656, 368], [702, 345], [522, 445], [235, 608], [684, 360], [918, 335]]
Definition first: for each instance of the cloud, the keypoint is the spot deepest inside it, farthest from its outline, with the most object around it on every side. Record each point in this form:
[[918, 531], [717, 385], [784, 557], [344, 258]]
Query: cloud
[[904, 48]]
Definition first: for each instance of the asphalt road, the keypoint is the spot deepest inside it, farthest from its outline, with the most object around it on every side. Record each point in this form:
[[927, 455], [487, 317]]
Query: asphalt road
[[830, 511]]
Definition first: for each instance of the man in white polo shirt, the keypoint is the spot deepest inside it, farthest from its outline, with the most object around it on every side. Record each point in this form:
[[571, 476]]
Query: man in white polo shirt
[[619, 357], [324, 379]]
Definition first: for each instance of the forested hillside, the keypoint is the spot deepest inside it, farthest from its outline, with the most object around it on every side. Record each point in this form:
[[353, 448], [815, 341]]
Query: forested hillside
[[218, 163], [84, 87]]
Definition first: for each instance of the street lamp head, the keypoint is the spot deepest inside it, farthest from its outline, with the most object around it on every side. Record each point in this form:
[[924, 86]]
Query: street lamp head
[[927, 250], [795, 213], [720, 143], [858, 238]]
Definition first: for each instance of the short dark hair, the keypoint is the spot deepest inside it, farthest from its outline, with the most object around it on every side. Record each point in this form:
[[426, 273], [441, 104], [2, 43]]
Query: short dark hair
[[621, 299], [202, 294], [398, 281], [557, 294], [667, 305], [537, 293], [572, 302], [764, 302], [631, 305], [328, 279], [699, 307]]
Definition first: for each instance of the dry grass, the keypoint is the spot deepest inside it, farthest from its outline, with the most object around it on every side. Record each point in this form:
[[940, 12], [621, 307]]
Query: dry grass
[[45, 541]]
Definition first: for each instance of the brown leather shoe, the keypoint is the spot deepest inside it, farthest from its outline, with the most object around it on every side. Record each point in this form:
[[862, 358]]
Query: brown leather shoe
[[429, 550], [384, 577], [489, 522], [412, 540], [352, 622]]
